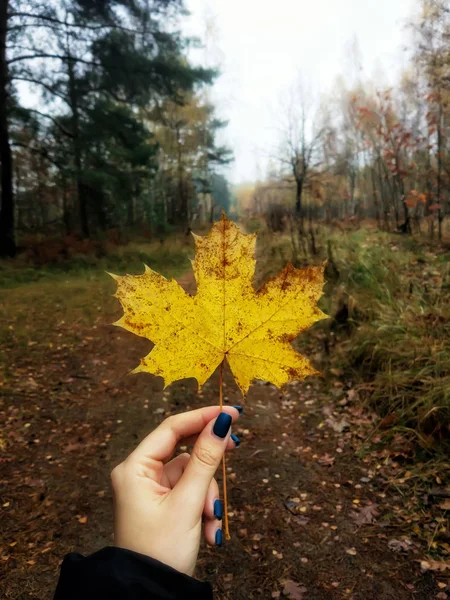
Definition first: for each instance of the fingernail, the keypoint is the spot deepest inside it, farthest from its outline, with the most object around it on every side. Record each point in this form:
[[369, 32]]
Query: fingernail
[[218, 537], [222, 424], [218, 509], [239, 408], [236, 440]]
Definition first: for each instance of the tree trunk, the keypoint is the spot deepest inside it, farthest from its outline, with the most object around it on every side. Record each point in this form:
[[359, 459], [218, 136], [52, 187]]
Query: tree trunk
[[81, 189], [7, 238], [375, 197], [298, 196], [65, 206], [440, 216]]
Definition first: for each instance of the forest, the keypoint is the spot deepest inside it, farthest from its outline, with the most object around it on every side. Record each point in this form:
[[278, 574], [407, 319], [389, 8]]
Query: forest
[[123, 134], [114, 148]]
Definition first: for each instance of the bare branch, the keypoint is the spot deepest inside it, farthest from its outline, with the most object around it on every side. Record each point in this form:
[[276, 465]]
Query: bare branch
[[41, 151], [41, 83], [55, 121], [53, 20], [54, 56]]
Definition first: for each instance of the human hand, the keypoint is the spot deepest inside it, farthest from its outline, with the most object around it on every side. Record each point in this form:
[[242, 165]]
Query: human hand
[[159, 505]]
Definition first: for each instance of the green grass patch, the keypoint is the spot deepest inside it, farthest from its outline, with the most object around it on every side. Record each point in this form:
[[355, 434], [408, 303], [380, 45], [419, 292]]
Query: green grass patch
[[394, 343], [54, 305], [170, 258]]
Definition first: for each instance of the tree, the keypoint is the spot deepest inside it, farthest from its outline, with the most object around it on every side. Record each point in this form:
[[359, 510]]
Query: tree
[[300, 143], [186, 133], [83, 57], [7, 237]]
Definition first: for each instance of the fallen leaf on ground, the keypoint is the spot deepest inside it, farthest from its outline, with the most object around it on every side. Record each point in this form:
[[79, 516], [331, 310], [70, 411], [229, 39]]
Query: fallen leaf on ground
[[399, 545], [326, 459], [366, 515], [351, 551], [434, 565], [293, 590], [337, 426], [445, 505], [302, 521]]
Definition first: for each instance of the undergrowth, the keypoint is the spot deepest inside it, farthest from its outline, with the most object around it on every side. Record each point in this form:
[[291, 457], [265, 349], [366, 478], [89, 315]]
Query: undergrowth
[[53, 305], [170, 257], [389, 296]]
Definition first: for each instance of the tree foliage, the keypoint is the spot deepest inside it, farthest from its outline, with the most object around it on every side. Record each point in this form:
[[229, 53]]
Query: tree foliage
[[105, 77]]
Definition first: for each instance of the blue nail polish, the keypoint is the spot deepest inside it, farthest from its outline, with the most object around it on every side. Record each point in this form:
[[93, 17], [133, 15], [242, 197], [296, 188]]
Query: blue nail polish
[[222, 424], [218, 509], [218, 537], [239, 408], [236, 440]]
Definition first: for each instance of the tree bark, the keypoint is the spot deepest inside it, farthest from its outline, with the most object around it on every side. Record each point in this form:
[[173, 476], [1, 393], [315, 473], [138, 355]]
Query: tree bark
[[81, 188], [298, 195], [7, 237], [439, 170]]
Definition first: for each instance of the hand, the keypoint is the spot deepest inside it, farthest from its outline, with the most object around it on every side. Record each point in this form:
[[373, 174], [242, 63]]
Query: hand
[[159, 505]]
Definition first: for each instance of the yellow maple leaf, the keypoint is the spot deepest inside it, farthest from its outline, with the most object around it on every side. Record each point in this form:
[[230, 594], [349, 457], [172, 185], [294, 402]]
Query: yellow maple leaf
[[227, 318]]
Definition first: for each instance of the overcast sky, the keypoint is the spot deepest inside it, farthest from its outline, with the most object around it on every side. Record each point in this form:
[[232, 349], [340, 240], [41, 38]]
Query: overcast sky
[[262, 44]]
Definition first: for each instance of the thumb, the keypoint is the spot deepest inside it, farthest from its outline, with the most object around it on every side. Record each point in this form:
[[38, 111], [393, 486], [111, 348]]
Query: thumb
[[202, 466]]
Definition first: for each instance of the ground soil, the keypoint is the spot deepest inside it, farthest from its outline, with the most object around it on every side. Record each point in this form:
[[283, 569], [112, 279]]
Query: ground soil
[[296, 484]]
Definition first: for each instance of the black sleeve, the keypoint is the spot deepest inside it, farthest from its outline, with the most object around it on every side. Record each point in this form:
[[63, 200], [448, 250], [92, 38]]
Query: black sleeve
[[118, 574]]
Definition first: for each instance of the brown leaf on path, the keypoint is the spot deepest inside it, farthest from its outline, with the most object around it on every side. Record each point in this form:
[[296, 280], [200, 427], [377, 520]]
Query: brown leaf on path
[[366, 515], [72, 447], [442, 492], [445, 504], [300, 520], [434, 565], [337, 426], [83, 520], [326, 460], [399, 545], [337, 372], [293, 590]]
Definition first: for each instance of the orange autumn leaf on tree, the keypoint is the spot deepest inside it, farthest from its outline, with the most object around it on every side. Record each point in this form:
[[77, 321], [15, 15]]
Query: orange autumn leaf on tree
[[227, 318]]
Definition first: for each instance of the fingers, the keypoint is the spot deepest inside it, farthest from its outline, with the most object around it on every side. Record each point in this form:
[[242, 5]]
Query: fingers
[[161, 443], [213, 513], [213, 506], [205, 458], [174, 469], [213, 532], [190, 441]]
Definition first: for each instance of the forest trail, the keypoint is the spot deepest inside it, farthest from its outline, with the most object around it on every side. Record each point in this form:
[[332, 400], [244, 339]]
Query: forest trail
[[308, 519]]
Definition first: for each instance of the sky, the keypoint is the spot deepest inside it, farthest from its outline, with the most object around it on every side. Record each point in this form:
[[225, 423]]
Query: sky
[[264, 46]]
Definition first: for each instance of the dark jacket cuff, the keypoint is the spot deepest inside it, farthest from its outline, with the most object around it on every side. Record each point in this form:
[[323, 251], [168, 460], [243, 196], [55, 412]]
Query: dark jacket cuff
[[116, 574]]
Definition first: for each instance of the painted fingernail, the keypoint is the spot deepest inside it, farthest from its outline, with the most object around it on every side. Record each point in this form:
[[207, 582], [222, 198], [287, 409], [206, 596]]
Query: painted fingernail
[[218, 537], [222, 424], [236, 440], [218, 509], [239, 408]]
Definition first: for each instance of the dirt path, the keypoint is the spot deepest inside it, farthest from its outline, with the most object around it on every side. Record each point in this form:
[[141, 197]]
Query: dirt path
[[302, 505]]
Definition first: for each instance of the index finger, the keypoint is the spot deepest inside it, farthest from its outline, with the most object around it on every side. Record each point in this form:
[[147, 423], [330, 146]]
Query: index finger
[[160, 444]]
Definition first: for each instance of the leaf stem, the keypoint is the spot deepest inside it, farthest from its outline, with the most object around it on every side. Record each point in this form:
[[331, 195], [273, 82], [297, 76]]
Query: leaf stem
[[224, 470]]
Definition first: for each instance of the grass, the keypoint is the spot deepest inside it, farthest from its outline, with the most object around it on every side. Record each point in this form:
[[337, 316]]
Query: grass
[[395, 341], [53, 306], [400, 348], [171, 258]]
